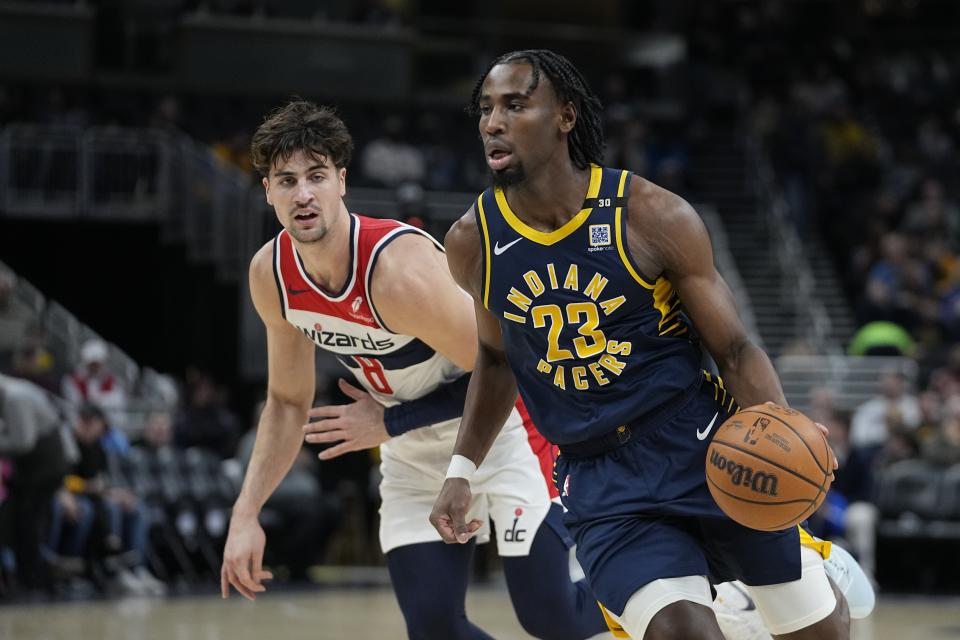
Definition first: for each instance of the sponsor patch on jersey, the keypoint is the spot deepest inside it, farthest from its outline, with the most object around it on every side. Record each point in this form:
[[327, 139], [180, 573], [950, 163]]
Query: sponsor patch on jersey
[[600, 235], [355, 310]]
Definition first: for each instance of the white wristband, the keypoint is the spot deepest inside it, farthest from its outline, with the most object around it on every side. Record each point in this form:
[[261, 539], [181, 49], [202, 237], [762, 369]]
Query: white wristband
[[461, 467]]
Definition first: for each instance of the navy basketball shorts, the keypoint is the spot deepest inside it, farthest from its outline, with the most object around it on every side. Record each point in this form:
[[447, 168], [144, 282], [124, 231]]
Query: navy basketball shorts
[[642, 511]]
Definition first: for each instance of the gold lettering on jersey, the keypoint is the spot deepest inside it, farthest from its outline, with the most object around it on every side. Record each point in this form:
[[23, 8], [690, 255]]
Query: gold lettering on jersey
[[598, 373], [611, 364], [520, 300], [579, 375], [552, 274], [572, 278], [587, 349], [609, 306], [558, 378], [534, 282], [595, 287], [619, 348]]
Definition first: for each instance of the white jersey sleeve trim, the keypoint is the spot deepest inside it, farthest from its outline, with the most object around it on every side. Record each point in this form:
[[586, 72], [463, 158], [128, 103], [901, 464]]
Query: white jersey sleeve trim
[[278, 276]]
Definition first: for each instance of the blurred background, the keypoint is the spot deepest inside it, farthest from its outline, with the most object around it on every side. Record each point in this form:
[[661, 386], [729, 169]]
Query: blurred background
[[817, 138]]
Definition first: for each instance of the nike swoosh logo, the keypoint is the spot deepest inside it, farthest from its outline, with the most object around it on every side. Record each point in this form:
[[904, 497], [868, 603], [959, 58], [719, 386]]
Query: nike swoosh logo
[[702, 435], [296, 292], [497, 249]]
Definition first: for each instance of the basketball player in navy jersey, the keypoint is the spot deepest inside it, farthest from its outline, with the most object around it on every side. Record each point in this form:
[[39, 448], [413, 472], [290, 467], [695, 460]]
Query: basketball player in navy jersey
[[594, 290], [379, 295]]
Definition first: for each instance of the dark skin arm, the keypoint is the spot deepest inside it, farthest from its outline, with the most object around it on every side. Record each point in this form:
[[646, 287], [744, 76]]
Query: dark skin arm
[[666, 236], [493, 388]]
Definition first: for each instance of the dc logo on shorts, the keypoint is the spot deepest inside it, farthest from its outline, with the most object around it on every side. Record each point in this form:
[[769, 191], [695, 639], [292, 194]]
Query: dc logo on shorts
[[566, 487], [513, 534], [599, 235]]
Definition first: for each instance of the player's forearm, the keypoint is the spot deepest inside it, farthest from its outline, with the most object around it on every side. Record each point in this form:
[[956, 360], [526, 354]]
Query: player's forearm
[[750, 376], [491, 397], [279, 438]]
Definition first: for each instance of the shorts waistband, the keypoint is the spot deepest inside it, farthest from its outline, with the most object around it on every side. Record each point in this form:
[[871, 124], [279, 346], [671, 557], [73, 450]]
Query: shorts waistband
[[624, 433]]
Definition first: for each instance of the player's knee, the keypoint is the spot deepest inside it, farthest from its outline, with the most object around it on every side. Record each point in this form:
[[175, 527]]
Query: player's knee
[[684, 619], [835, 626]]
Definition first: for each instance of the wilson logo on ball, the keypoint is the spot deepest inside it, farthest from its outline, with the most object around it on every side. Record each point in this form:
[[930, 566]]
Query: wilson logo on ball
[[740, 474]]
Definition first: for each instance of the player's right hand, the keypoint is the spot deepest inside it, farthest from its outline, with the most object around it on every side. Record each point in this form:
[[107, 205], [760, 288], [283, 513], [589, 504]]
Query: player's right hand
[[243, 558], [450, 512]]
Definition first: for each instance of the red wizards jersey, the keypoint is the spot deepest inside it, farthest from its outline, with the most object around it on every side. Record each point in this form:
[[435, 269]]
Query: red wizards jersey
[[392, 367]]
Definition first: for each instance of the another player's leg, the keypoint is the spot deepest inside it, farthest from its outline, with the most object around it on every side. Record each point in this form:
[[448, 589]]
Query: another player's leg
[[430, 581], [811, 608], [852, 580], [738, 615], [548, 604]]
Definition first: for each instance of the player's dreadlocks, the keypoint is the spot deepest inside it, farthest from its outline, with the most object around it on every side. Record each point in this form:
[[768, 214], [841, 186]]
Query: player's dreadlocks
[[586, 138]]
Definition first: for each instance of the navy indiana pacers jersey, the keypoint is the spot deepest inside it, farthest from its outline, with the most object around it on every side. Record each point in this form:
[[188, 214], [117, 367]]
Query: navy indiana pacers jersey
[[593, 343]]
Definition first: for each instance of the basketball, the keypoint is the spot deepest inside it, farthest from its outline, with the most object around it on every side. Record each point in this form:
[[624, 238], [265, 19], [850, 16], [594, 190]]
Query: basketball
[[769, 467]]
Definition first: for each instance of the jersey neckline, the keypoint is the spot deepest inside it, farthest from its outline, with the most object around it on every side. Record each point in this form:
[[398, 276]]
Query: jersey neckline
[[348, 285], [550, 237]]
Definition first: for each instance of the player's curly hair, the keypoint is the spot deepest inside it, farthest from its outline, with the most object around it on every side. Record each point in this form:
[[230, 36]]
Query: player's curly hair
[[300, 126], [585, 141]]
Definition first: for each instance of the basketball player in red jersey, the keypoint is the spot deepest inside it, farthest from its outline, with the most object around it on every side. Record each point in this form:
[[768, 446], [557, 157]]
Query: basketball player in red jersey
[[379, 295]]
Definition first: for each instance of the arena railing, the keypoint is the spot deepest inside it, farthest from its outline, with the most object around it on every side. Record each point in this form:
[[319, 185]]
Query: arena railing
[[851, 380], [797, 283]]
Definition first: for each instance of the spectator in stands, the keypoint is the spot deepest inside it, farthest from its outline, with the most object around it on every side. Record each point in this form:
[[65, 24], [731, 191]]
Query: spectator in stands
[[932, 215], [895, 408], [33, 359], [886, 293], [13, 321], [93, 382], [29, 437], [389, 160], [850, 495], [946, 379], [205, 421], [119, 527], [931, 415], [157, 431], [822, 408], [944, 447]]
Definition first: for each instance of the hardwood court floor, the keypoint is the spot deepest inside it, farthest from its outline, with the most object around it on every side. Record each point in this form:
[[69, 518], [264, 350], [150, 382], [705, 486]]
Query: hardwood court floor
[[357, 614]]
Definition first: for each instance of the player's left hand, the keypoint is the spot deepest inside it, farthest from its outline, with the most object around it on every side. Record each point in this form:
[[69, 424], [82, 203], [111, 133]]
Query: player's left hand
[[356, 426]]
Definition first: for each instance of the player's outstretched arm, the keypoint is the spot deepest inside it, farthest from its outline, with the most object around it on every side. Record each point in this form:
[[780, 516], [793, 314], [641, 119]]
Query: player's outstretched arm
[[676, 242], [290, 391], [490, 397]]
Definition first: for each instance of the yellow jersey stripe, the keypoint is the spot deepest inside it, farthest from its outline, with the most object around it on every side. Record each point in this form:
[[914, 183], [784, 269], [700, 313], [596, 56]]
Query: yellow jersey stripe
[[820, 546], [551, 237], [670, 328], [663, 297], [486, 253], [619, 236]]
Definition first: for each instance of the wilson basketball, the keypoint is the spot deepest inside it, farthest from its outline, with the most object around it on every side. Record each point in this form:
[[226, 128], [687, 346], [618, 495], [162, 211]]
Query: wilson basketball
[[769, 467]]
